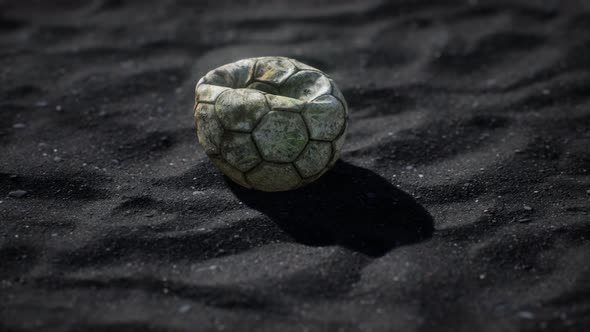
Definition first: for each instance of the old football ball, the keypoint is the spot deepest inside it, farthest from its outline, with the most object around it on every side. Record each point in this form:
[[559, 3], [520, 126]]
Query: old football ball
[[270, 123]]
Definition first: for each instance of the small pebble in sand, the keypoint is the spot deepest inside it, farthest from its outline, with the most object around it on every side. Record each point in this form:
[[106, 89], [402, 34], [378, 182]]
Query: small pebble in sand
[[588, 191], [17, 193], [57, 159], [1, 202], [41, 103], [527, 208], [524, 220], [184, 308], [19, 125], [58, 108], [526, 315]]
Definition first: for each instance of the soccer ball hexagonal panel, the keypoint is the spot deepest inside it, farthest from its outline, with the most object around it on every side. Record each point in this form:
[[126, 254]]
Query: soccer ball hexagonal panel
[[239, 150], [209, 130], [230, 171], [325, 117], [314, 158], [281, 136], [240, 109], [274, 177]]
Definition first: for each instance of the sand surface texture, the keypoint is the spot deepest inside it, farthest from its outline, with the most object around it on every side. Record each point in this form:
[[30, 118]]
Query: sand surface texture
[[461, 202]]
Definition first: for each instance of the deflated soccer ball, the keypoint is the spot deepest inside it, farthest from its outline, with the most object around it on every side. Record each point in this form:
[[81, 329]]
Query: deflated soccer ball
[[270, 123]]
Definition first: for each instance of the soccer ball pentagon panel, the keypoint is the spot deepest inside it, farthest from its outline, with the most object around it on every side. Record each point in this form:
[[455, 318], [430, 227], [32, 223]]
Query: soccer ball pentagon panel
[[270, 123]]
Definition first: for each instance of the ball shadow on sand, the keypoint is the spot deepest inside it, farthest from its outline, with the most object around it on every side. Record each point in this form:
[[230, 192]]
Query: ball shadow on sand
[[348, 206]]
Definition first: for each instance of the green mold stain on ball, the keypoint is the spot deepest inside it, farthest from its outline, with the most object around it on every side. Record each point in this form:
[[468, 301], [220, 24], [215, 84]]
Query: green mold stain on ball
[[270, 123]]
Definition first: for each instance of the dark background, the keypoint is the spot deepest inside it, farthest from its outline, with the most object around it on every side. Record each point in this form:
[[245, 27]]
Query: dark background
[[461, 202]]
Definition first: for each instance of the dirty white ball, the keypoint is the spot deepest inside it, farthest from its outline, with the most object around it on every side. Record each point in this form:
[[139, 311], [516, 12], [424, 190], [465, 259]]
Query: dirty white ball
[[270, 123]]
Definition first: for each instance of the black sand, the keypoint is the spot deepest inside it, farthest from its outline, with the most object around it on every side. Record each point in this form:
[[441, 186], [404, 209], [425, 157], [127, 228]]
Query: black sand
[[461, 202]]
